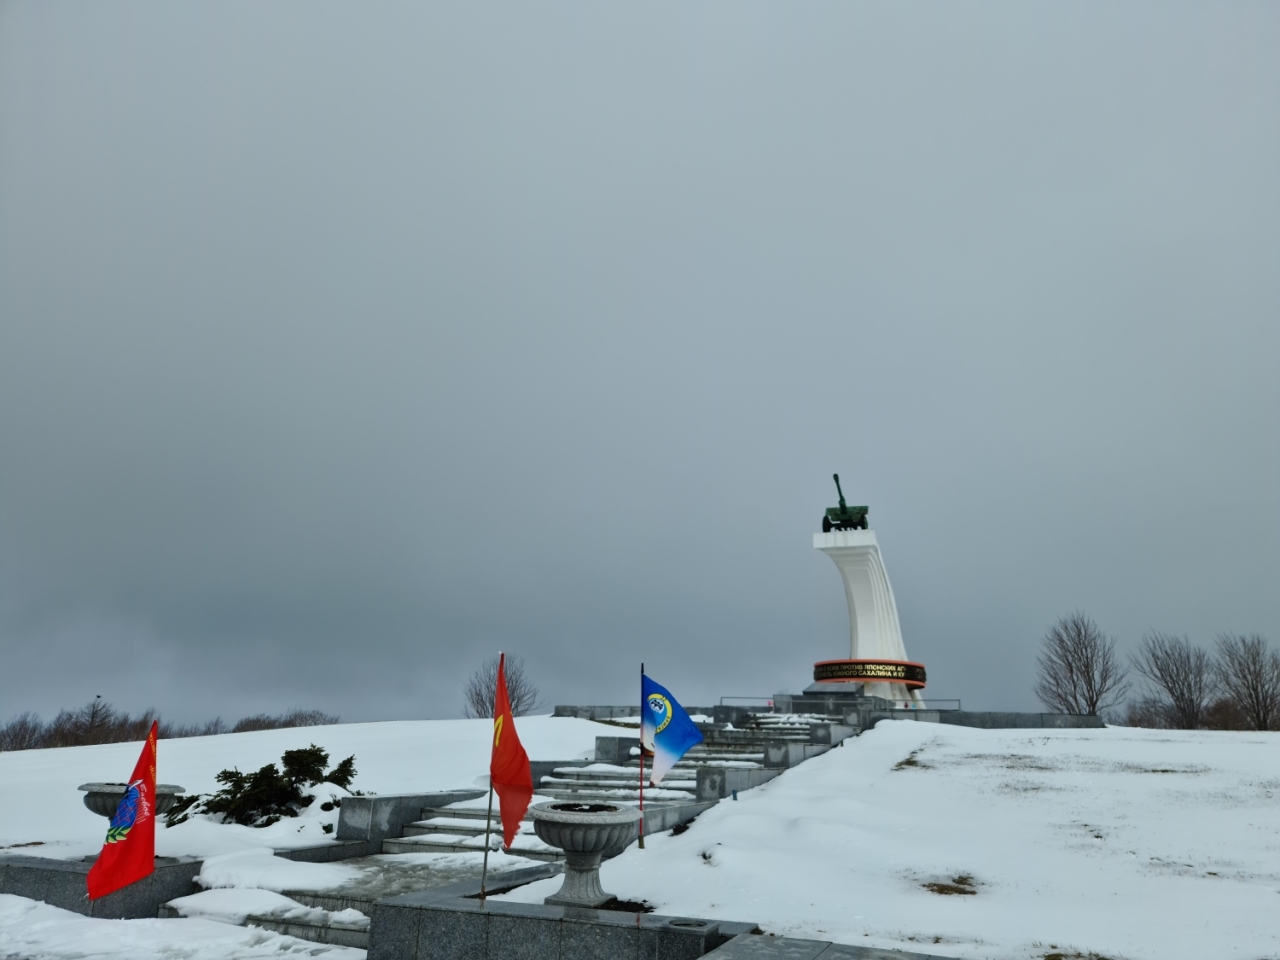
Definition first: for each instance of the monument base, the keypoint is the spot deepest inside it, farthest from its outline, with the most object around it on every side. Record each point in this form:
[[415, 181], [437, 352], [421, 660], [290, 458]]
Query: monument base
[[837, 703], [902, 697], [898, 681], [843, 688]]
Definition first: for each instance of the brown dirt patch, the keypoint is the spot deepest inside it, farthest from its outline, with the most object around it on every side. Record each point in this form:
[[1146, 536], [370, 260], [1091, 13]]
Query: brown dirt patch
[[959, 886]]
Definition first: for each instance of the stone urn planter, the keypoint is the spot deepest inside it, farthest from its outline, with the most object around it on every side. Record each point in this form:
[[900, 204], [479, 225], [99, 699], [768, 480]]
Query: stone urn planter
[[585, 832], [103, 798]]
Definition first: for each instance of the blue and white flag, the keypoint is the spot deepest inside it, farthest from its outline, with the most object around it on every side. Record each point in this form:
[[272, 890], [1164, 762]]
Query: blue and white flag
[[665, 729]]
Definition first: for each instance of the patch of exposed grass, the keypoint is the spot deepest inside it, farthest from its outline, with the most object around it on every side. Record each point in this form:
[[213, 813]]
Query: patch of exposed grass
[[961, 885], [1187, 769], [910, 761]]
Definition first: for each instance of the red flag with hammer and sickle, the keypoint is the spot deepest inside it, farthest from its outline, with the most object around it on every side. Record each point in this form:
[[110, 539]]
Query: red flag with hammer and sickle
[[508, 765], [130, 851]]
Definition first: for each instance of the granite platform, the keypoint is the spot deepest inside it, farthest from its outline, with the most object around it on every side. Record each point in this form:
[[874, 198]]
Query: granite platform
[[63, 883]]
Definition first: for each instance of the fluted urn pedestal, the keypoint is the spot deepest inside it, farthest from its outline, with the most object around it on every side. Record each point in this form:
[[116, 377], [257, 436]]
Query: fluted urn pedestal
[[585, 832], [103, 798]]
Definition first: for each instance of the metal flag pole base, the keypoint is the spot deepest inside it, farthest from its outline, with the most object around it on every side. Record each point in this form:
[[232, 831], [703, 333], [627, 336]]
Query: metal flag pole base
[[488, 819], [641, 843]]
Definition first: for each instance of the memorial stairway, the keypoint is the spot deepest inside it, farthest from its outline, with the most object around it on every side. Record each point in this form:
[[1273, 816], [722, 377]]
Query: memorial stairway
[[740, 747], [733, 757]]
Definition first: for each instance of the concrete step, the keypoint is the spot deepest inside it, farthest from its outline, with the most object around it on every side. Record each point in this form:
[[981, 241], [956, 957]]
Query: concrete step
[[441, 813], [723, 751], [468, 818], [468, 811], [613, 783], [769, 733], [728, 746], [688, 767], [333, 904], [688, 762], [455, 827], [741, 741], [772, 733], [693, 759], [530, 847], [651, 795], [337, 934]]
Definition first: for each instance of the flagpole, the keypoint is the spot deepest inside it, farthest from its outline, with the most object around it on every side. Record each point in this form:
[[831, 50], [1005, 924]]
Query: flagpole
[[641, 843], [488, 817]]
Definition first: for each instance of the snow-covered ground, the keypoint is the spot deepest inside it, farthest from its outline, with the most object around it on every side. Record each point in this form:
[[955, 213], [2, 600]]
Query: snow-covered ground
[[42, 814], [39, 801], [1127, 843], [36, 931]]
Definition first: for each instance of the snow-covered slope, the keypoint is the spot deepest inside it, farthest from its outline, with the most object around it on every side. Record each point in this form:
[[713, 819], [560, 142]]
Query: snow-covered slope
[[39, 800], [29, 929], [1130, 843]]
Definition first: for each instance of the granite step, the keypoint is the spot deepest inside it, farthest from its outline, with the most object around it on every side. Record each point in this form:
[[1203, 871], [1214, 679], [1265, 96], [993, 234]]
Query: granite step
[[457, 827], [441, 813], [531, 847], [342, 931], [687, 767], [334, 904], [337, 934], [613, 783], [651, 795]]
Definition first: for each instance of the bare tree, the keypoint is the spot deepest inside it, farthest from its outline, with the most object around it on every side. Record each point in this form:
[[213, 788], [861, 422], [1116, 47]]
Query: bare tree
[[179, 731], [1079, 672], [95, 722], [1182, 678], [1249, 672], [99, 722], [296, 717], [1225, 714], [1146, 712], [479, 692], [23, 732]]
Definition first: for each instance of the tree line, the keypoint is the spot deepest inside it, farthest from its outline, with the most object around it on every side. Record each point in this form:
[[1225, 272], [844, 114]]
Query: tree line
[[100, 722], [1180, 686]]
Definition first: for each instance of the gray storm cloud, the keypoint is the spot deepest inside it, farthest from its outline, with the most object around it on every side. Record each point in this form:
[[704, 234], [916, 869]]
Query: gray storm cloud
[[341, 346]]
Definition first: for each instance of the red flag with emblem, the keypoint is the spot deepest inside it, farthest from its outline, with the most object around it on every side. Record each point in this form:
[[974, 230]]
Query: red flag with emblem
[[508, 765], [129, 853]]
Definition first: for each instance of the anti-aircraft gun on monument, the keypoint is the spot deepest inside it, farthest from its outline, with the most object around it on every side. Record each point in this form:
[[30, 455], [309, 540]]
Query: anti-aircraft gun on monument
[[843, 517]]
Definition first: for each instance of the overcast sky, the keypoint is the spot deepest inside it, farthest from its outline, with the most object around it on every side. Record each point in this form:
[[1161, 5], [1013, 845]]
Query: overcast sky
[[342, 345]]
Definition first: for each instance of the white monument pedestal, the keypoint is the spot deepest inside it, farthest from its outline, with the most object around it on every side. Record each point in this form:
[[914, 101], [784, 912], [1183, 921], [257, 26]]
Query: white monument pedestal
[[874, 633]]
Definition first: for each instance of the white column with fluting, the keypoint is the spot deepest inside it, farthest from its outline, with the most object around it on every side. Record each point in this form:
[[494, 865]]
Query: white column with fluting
[[874, 633]]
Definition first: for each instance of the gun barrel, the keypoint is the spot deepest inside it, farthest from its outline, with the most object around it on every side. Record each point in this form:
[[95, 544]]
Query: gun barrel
[[836, 477]]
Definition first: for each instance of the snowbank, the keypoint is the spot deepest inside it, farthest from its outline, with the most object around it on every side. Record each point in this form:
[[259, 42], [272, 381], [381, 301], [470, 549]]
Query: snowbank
[[32, 929], [39, 801], [235, 905], [1130, 843], [259, 867]]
